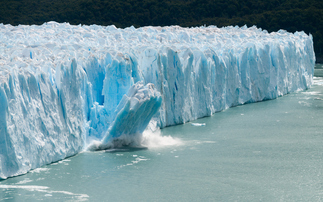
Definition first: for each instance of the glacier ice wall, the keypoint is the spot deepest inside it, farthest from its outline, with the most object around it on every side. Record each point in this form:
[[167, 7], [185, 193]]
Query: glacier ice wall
[[63, 86]]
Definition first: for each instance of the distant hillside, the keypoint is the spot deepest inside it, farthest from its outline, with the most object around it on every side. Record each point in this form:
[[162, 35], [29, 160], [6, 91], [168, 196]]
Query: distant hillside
[[272, 15]]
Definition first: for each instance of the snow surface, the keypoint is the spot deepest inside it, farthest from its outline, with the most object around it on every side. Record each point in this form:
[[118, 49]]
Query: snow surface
[[64, 87]]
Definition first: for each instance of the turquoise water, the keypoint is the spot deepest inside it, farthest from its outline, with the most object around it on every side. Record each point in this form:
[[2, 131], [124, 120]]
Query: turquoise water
[[269, 151]]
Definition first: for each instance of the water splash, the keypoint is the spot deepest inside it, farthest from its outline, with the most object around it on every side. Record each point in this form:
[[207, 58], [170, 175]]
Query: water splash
[[154, 139]]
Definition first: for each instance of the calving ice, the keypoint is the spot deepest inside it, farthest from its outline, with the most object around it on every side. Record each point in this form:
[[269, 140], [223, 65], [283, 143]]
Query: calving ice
[[65, 88]]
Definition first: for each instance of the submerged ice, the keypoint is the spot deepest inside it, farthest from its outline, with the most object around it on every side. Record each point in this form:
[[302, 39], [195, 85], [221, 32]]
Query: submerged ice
[[65, 88]]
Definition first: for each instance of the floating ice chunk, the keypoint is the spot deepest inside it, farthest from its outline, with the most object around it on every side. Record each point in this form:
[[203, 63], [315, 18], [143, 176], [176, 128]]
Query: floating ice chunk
[[198, 124]]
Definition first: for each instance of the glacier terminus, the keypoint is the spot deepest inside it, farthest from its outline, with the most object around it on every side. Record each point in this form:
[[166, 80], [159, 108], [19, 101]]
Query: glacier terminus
[[67, 88]]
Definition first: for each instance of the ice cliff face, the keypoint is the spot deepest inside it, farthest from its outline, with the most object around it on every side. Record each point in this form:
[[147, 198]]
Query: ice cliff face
[[63, 87]]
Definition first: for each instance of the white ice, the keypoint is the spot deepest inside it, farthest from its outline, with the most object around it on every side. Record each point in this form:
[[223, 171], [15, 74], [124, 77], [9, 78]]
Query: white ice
[[63, 87]]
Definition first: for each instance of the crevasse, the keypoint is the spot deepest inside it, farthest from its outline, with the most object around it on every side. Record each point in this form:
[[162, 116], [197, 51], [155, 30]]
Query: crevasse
[[65, 87]]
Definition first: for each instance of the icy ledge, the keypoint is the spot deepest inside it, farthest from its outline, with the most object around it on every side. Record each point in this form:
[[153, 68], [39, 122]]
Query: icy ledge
[[134, 113], [64, 88]]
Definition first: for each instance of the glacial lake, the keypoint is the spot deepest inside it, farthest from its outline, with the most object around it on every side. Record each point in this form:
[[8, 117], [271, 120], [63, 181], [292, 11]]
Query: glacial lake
[[266, 151]]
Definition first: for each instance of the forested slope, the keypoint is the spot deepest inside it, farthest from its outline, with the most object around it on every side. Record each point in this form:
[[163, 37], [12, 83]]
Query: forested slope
[[272, 15]]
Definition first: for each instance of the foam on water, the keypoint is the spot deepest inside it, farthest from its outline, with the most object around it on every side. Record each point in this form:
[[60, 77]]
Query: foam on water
[[24, 181], [38, 170], [44, 189], [147, 140], [318, 81]]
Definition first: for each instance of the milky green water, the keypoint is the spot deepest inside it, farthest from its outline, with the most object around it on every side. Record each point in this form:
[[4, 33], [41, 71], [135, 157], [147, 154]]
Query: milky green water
[[266, 151]]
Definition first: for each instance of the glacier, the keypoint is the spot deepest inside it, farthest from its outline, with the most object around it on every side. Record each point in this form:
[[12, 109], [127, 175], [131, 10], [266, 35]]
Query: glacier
[[66, 88]]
